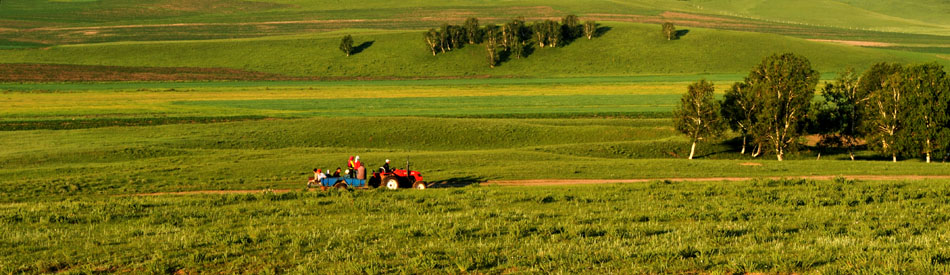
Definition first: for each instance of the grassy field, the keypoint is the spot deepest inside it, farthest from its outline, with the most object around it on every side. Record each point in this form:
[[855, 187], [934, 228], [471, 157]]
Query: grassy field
[[298, 39], [200, 143], [781, 226], [105, 101], [921, 16], [402, 54]]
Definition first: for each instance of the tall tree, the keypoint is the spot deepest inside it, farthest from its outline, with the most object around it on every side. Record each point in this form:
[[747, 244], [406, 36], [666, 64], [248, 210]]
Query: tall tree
[[570, 27], [669, 30], [590, 27], [927, 118], [432, 40], [787, 85], [885, 106], [841, 114], [517, 48], [471, 30], [540, 33], [521, 30], [445, 38], [346, 44], [553, 32], [698, 114], [740, 106], [491, 34], [457, 36], [492, 54], [508, 33]]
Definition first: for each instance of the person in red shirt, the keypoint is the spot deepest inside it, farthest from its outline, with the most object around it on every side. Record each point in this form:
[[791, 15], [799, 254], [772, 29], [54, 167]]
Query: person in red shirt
[[350, 166]]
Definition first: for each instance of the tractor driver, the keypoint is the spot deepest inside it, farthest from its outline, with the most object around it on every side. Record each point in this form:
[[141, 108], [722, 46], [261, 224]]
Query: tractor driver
[[386, 167]]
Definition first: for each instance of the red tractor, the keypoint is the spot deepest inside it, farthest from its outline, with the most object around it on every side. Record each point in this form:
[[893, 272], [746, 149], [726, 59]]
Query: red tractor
[[398, 178]]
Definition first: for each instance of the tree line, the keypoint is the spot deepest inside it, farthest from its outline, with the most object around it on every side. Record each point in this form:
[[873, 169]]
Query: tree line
[[512, 39], [896, 110]]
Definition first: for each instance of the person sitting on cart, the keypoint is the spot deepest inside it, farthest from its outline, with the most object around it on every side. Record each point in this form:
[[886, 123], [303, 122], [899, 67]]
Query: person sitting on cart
[[316, 177], [337, 173], [354, 165], [319, 175]]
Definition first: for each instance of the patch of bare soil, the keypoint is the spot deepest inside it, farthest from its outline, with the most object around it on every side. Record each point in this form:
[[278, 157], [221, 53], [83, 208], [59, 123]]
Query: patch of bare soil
[[697, 17], [91, 73], [855, 43], [79, 73], [750, 164]]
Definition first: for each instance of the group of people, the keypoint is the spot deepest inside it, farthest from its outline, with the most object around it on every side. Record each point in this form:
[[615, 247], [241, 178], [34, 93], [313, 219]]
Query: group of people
[[355, 169]]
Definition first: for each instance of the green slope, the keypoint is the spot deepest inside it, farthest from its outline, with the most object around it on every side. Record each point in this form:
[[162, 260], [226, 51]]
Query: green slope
[[920, 16], [626, 49]]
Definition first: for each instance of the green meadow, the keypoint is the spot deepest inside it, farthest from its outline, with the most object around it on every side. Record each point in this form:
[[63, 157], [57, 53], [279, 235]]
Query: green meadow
[[93, 170], [765, 226], [626, 49]]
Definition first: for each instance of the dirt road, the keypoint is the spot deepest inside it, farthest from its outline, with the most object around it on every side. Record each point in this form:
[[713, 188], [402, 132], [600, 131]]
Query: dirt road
[[551, 182]]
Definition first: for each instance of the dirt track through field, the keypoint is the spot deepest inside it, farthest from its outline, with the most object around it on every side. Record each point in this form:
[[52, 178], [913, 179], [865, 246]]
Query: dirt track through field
[[551, 182]]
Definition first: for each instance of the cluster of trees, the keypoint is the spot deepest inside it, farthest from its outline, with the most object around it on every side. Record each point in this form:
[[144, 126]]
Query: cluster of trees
[[898, 111], [514, 39]]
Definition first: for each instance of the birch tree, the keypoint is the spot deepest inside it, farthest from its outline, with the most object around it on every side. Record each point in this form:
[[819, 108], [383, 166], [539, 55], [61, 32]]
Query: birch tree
[[492, 50], [787, 85], [843, 114], [669, 30], [926, 118], [539, 31], [432, 40], [886, 104], [346, 44], [698, 114], [590, 27], [471, 30], [740, 106]]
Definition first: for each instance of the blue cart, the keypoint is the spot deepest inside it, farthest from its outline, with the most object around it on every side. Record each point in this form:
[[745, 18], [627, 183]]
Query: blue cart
[[341, 182]]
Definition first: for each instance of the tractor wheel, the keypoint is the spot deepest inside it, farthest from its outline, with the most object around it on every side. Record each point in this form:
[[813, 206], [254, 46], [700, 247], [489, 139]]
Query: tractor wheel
[[340, 185], [392, 183], [419, 185]]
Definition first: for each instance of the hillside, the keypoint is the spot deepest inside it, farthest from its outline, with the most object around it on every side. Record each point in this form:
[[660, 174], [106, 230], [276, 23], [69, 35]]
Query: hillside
[[625, 49]]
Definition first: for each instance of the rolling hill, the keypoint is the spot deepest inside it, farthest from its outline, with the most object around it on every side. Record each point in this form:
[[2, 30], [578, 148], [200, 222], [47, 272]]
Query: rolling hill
[[625, 49]]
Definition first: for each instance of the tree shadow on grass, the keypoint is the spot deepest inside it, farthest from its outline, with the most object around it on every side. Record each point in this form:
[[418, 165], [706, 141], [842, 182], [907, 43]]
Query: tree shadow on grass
[[679, 33], [506, 55], [457, 182], [362, 46], [714, 152], [601, 30]]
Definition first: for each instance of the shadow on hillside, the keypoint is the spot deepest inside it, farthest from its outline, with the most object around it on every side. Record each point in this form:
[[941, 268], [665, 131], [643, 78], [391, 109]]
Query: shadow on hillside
[[505, 56], [710, 154], [601, 30], [679, 33], [457, 182], [362, 46]]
